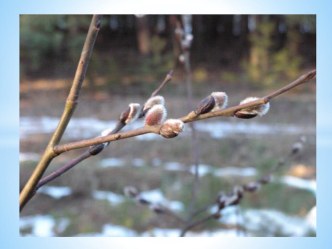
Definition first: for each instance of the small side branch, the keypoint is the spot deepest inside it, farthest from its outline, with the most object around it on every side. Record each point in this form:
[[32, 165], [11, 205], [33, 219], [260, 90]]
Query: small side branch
[[167, 79], [62, 170], [302, 79]]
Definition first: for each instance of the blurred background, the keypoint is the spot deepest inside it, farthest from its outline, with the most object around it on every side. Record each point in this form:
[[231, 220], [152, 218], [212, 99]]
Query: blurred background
[[239, 54]]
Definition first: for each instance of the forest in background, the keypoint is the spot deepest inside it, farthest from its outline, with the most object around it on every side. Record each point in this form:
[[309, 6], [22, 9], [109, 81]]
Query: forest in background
[[264, 50]]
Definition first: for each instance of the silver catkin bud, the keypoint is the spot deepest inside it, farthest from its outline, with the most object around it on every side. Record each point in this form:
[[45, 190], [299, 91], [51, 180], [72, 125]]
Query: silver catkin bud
[[220, 99], [131, 113], [156, 100], [251, 112], [205, 105], [130, 191], [171, 128], [156, 115]]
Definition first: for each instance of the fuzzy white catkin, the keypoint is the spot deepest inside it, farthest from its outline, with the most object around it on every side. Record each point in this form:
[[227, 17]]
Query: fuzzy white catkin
[[260, 110], [156, 115], [171, 128], [156, 100], [134, 112], [221, 100]]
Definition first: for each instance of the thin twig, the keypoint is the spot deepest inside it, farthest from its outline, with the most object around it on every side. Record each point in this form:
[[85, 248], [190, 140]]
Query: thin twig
[[69, 165], [183, 30], [190, 117], [196, 223], [203, 209], [194, 145], [71, 103], [109, 138], [303, 78], [62, 170], [172, 214], [205, 219], [167, 79]]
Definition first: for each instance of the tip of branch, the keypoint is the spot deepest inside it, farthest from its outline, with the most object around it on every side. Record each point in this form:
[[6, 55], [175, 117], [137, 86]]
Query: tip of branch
[[98, 24], [169, 75], [98, 21], [311, 75]]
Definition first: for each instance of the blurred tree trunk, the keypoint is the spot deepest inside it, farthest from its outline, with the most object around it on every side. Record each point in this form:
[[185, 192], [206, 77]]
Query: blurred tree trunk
[[293, 45], [143, 35], [173, 23], [198, 32], [294, 38], [244, 35], [261, 30]]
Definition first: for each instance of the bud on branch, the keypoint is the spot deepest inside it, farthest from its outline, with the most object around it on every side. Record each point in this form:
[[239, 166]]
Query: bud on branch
[[215, 101], [171, 128], [131, 114], [156, 115], [251, 112], [155, 100]]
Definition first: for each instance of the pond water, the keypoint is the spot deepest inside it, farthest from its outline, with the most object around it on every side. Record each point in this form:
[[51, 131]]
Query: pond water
[[79, 128]]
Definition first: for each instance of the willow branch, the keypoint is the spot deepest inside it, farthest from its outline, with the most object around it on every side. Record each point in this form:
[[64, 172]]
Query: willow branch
[[190, 117], [96, 149], [69, 109], [174, 215], [231, 110], [109, 138]]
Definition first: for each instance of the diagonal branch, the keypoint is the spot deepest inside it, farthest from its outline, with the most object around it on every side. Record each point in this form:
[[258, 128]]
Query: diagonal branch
[[69, 109], [109, 138], [190, 117]]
